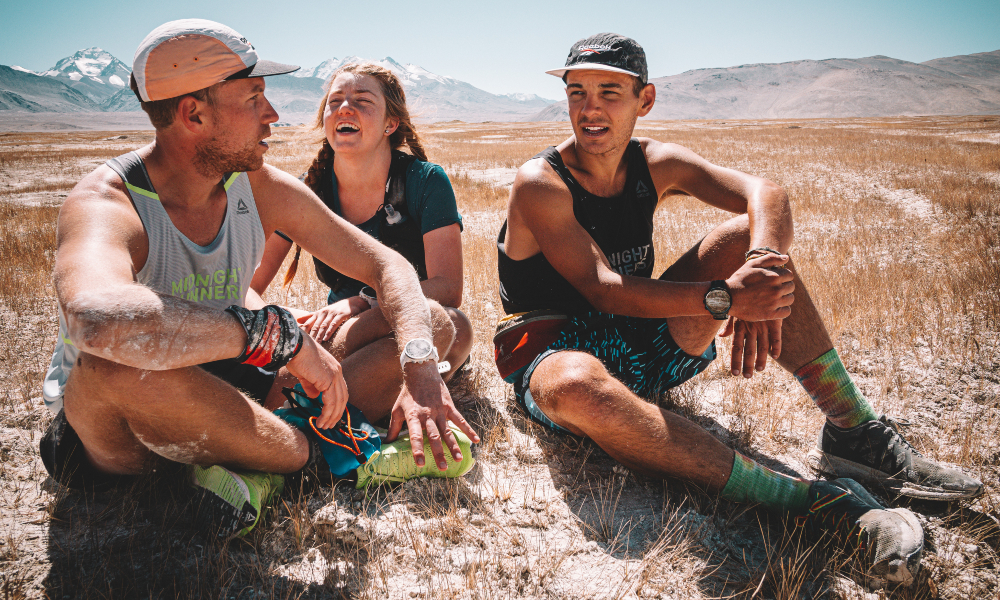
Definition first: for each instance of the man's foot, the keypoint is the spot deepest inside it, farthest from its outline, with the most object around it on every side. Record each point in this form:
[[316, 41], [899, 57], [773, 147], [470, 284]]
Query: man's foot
[[875, 454], [232, 501], [395, 462], [890, 541]]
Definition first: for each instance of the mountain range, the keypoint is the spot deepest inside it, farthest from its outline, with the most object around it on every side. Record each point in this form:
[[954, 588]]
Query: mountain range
[[93, 80], [877, 86]]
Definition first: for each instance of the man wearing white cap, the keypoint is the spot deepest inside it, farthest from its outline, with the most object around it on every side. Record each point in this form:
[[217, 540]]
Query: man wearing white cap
[[592, 336], [156, 250]]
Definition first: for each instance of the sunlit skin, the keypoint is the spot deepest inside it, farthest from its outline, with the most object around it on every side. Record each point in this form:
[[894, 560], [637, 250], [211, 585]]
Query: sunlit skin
[[237, 110], [358, 128], [355, 120], [603, 109]]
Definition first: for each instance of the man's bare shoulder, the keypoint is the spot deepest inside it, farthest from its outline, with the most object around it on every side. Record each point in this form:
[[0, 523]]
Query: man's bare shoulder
[[100, 195], [536, 179], [672, 166], [269, 175], [658, 152]]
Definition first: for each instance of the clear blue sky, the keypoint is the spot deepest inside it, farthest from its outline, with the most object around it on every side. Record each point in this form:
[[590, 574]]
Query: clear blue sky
[[504, 46]]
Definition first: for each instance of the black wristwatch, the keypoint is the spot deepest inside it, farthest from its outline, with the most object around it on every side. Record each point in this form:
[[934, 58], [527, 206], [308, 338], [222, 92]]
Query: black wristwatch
[[718, 301]]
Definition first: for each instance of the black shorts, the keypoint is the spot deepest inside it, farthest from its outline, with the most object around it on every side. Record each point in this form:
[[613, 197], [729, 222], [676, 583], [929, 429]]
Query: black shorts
[[639, 352], [62, 451]]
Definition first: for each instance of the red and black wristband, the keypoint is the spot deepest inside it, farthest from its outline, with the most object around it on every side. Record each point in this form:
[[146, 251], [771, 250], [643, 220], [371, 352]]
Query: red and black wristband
[[273, 336]]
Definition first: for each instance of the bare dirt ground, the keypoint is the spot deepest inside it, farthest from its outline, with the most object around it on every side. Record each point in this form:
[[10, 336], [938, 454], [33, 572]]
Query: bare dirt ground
[[897, 239]]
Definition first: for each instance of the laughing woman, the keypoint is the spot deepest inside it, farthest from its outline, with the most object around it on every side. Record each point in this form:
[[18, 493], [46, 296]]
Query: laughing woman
[[398, 198]]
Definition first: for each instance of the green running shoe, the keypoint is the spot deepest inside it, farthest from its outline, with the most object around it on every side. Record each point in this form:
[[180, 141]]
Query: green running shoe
[[232, 501], [395, 462]]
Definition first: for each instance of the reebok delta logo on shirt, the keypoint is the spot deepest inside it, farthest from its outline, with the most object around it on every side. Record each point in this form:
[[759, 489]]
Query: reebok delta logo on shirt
[[641, 191], [241, 207]]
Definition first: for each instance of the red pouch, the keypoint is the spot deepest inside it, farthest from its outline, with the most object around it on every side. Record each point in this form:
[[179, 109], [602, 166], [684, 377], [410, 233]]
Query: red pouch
[[521, 337]]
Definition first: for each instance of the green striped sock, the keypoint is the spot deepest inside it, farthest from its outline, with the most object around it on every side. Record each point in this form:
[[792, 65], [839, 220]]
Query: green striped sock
[[751, 482], [829, 385]]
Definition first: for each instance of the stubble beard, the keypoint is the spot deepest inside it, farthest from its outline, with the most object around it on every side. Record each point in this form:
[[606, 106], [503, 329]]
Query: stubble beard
[[213, 159], [621, 137]]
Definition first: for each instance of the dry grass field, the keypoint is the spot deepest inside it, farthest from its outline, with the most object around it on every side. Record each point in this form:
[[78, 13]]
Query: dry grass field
[[897, 227]]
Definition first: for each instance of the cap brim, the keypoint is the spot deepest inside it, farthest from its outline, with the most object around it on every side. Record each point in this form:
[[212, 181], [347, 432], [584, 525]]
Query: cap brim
[[590, 67], [263, 68]]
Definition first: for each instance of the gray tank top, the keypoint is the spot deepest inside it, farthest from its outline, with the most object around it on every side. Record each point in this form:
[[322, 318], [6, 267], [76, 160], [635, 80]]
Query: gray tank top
[[214, 276]]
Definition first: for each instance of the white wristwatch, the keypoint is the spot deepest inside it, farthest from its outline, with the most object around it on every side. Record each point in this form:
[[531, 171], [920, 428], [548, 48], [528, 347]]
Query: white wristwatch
[[417, 351]]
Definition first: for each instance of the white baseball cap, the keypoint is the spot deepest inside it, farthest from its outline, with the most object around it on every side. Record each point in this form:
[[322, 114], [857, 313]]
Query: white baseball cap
[[185, 56]]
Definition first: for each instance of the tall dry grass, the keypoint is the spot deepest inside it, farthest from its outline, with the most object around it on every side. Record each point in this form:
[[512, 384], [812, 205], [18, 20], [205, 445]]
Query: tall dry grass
[[896, 238]]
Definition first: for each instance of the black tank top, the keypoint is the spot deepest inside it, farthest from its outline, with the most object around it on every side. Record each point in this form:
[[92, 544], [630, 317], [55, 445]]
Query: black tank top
[[621, 226]]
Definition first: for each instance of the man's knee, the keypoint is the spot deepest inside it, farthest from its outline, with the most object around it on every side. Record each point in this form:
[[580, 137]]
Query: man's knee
[[573, 386], [92, 373], [444, 328], [463, 328], [729, 238]]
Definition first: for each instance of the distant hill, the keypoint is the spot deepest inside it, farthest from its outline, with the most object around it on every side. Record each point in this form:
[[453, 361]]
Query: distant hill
[[431, 97], [25, 91], [94, 80], [865, 87]]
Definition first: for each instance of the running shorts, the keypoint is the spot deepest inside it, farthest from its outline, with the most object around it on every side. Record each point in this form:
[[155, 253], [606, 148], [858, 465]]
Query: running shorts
[[639, 352], [62, 451]]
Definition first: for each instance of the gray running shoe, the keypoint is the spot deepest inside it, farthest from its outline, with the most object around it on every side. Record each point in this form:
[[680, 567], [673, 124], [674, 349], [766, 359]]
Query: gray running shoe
[[889, 541], [875, 454]]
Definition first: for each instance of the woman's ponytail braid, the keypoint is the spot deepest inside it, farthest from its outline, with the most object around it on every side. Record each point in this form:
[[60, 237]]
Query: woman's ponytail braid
[[321, 164]]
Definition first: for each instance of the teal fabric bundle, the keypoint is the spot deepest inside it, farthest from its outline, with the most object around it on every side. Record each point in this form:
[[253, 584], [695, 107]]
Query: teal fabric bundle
[[352, 442]]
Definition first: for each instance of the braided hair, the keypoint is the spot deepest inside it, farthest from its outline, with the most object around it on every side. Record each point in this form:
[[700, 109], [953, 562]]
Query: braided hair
[[395, 108]]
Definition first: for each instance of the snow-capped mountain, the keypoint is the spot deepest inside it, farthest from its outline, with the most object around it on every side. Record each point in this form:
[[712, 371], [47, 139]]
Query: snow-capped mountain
[[94, 63], [431, 97], [533, 99], [93, 79], [323, 69], [93, 72]]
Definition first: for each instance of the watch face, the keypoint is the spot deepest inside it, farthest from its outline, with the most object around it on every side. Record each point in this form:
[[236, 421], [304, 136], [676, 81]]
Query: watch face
[[718, 301], [418, 349]]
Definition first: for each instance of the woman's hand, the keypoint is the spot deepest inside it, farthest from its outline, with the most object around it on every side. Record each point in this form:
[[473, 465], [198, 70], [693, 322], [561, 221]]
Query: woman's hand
[[322, 324]]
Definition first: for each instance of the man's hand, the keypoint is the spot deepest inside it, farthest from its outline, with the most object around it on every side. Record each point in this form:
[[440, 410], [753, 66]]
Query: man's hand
[[752, 342], [425, 405], [762, 291], [323, 323], [320, 373]]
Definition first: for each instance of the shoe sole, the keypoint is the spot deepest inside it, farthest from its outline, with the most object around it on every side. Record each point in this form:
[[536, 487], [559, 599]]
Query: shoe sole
[[214, 513], [903, 570], [379, 479], [834, 466]]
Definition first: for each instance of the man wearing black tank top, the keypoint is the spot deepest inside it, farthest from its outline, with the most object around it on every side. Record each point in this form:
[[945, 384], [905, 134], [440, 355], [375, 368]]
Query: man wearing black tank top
[[578, 240]]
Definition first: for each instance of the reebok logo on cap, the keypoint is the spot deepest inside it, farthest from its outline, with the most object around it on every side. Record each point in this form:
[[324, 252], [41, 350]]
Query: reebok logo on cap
[[606, 52]]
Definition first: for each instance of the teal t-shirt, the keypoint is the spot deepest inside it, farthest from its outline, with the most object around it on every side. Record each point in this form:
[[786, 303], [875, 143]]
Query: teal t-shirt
[[430, 200]]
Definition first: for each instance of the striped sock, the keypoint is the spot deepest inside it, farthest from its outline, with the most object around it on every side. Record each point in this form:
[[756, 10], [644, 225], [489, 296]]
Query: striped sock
[[751, 482], [827, 382]]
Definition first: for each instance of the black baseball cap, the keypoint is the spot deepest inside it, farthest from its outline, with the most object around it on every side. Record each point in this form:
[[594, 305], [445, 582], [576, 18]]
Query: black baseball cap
[[606, 52]]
